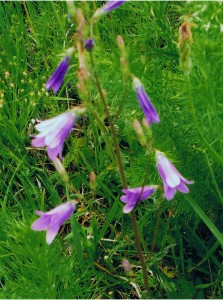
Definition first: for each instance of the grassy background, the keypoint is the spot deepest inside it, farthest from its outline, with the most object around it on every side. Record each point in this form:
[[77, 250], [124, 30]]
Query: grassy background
[[187, 262]]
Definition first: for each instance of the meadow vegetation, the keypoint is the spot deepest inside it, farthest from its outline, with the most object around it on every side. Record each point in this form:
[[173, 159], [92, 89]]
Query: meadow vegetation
[[85, 259]]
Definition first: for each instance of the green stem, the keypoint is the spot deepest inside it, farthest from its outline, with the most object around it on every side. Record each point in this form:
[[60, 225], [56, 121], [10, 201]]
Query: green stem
[[123, 177]]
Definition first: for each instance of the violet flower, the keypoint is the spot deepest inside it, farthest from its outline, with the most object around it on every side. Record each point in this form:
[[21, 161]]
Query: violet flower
[[53, 133], [57, 78], [108, 7], [89, 44], [147, 107], [133, 196], [52, 220], [172, 179]]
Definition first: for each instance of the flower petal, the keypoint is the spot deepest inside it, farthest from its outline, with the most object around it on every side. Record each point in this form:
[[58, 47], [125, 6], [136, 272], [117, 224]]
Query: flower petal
[[42, 223], [171, 176], [125, 198], [51, 234], [169, 192], [128, 208], [182, 188], [38, 141]]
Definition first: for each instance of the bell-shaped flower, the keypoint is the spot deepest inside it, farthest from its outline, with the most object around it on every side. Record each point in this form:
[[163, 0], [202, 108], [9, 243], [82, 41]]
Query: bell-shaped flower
[[108, 7], [57, 78], [53, 133], [172, 180], [146, 105], [52, 220], [133, 196]]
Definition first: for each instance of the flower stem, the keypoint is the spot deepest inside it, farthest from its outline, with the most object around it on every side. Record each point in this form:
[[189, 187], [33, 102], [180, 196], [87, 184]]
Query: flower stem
[[123, 177], [114, 135]]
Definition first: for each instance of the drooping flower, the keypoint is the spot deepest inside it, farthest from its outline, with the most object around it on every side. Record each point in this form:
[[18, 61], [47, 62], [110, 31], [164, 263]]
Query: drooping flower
[[53, 133], [172, 179], [133, 196], [108, 7], [146, 105], [53, 219], [57, 78]]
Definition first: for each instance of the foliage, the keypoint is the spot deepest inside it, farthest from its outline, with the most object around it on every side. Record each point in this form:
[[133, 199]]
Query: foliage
[[85, 261]]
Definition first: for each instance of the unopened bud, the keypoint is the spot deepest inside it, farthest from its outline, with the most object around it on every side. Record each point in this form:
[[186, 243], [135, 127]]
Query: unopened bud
[[120, 42], [126, 265], [123, 58], [147, 127], [61, 170], [138, 128], [185, 37], [92, 179], [89, 44]]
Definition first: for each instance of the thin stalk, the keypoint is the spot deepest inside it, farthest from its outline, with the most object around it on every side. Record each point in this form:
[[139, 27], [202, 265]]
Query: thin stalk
[[123, 177], [113, 131]]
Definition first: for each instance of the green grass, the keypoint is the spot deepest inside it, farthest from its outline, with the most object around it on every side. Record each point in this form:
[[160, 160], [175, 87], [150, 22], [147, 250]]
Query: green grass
[[85, 260]]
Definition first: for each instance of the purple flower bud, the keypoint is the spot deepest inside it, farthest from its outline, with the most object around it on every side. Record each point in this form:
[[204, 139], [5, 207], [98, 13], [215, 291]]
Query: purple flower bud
[[57, 78], [109, 6], [172, 179], [52, 220], [53, 133], [133, 196], [89, 44], [147, 107]]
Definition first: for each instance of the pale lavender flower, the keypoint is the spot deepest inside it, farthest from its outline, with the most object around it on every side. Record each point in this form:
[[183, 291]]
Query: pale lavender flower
[[146, 105], [108, 7], [53, 133], [57, 78], [133, 196], [53, 219], [172, 179]]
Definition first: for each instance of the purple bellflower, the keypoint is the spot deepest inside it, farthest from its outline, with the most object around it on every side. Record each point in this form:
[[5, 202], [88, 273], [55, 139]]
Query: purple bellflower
[[53, 133], [172, 179], [57, 78], [52, 220], [108, 7], [133, 196], [147, 107]]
